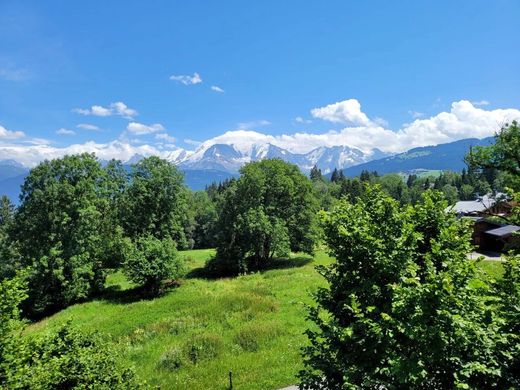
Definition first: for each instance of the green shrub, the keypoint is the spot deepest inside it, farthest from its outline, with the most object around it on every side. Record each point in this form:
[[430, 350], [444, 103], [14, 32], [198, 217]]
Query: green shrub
[[149, 261], [203, 346], [171, 360], [67, 359]]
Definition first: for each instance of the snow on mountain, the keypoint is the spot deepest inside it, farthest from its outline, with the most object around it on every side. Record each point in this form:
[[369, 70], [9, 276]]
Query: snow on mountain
[[229, 157]]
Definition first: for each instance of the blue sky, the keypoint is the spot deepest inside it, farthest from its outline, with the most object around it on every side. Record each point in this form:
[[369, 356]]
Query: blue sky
[[275, 61]]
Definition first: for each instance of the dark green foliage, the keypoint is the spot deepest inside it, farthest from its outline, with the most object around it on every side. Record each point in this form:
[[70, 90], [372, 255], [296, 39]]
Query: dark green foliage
[[269, 211], [402, 308], [155, 201], [8, 256], [205, 219], [315, 174], [149, 261], [59, 230]]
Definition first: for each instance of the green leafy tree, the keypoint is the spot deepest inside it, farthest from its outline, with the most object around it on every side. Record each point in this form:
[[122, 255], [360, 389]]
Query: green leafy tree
[[267, 212], [149, 261], [155, 201], [205, 219], [503, 155], [58, 229], [402, 309], [9, 259]]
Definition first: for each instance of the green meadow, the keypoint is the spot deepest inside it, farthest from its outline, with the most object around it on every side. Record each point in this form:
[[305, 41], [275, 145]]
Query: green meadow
[[196, 333]]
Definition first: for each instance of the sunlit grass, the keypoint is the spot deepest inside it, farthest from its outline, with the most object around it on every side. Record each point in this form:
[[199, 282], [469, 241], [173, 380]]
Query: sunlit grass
[[192, 336]]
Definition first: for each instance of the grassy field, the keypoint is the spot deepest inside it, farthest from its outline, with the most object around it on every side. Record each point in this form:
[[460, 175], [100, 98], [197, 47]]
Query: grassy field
[[191, 337]]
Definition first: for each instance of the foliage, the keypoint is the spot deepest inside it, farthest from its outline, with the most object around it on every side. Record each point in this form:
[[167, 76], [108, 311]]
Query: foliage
[[508, 289], [503, 155], [67, 359], [59, 231], [269, 211], [8, 256], [154, 203], [12, 293], [402, 309], [149, 261]]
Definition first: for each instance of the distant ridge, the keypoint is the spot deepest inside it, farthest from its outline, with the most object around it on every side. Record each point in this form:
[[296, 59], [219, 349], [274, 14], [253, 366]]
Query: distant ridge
[[442, 157]]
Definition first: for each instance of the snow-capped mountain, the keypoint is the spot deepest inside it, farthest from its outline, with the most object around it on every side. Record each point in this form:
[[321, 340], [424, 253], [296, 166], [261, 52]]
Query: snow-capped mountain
[[229, 157]]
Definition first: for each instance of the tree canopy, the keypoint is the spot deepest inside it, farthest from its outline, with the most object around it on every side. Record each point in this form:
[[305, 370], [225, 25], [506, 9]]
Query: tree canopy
[[269, 211]]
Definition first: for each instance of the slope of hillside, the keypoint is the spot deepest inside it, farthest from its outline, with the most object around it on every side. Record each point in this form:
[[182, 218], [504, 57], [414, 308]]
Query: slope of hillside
[[448, 156]]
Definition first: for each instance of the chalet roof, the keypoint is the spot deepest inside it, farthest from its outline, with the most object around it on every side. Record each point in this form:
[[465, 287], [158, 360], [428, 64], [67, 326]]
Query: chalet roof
[[504, 230], [478, 205]]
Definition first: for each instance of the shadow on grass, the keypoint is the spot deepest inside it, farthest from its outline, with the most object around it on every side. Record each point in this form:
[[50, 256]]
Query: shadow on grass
[[114, 294], [284, 263]]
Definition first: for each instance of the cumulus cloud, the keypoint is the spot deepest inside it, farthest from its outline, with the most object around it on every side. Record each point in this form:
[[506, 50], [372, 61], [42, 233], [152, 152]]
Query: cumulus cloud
[[217, 89], [347, 112], [464, 120], [117, 108], [86, 126], [165, 137], [64, 131], [186, 79], [10, 134], [141, 129]]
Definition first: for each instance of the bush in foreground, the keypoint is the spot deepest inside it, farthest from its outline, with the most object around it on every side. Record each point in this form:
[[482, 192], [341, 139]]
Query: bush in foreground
[[404, 308]]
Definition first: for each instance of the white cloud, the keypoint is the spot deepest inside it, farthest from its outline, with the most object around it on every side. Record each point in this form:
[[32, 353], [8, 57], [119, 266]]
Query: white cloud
[[123, 110], [165, 137], [464, 120], [480, 103], [299, 119], [117, 108], [415, 114], [86, 126], [141, 129], [217, 89], [253, 124], [347, 112], [186, 79], [64, 131], [33, 154], [10, 134]]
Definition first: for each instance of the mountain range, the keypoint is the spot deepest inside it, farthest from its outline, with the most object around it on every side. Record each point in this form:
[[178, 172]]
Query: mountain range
[[217, 162]]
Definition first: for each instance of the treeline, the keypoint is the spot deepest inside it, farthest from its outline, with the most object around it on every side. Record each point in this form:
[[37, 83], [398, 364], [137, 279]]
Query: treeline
[[466, 185]]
